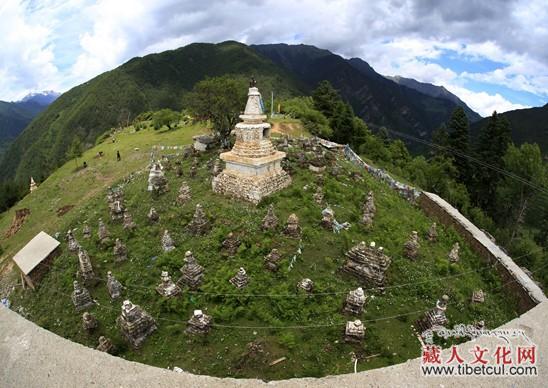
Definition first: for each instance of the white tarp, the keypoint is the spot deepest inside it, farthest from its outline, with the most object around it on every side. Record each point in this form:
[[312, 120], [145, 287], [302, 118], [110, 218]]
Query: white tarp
[[36, 250]]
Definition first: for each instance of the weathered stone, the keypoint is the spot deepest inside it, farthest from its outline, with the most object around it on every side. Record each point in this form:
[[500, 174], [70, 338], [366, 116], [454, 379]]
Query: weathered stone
[[433, 319], [253, 166], [129, 224], [85, 267], [114, 287], [192, 272], [432, 233], [184, 194], [270, 221], [167, 287], [86, 231], [153, 215], [203, 142], [105, 345], [368, 264], [272, 260], [478, 296], [231, 244], [355, 300], [292, 228], [81, 297], [217, 167], [411, 246], [103, 234], [167, 242], [454, 253], [155, 177], [199, 225], [89, 323], [328, 218], [369, 210], [116, 210], [318, 195], [199, 323], [136, 325], [120, 250], [306, 284], [193, 171], [354, 331], [73, 245], [240, 280]]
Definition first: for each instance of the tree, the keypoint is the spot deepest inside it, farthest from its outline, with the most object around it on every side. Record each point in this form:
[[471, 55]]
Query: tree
[[459, 141], [513, 196], [326, 98], [493, 142], [165, 117], [75, 150], [219, 100], [440, 137]]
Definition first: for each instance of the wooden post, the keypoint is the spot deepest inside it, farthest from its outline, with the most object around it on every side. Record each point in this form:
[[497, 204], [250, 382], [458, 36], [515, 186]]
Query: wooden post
[[23, 281]]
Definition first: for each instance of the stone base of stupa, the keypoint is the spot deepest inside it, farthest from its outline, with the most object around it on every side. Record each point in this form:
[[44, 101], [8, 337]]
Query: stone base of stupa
[[251, 179]]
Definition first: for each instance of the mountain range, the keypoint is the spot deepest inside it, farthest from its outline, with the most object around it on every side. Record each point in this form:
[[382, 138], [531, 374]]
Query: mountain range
[[161, 80], [15, 116]]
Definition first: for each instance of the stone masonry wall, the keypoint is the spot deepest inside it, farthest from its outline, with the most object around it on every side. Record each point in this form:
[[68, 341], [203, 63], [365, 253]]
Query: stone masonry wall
[[528, 292]]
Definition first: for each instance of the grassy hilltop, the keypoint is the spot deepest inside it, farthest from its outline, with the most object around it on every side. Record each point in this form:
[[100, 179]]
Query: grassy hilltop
[[270, 300]]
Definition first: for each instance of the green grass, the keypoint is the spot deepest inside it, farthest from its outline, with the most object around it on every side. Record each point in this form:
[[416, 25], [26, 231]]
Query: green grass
[[310, 351]]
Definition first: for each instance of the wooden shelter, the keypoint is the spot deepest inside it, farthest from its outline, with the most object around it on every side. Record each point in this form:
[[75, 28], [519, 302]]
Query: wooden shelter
[[36, 257]]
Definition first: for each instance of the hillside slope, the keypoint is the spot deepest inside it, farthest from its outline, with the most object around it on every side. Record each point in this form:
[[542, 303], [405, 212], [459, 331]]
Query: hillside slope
[[116, 97], [436, 91], [528, 125]]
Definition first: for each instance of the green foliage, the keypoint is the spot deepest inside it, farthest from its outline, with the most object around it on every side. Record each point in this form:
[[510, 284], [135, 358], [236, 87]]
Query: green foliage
[[313, 120], [219, 100], [165, 117], [459, 141]]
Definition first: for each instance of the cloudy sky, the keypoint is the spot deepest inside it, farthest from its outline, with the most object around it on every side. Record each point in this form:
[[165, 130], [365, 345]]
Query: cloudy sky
[[492, 54]]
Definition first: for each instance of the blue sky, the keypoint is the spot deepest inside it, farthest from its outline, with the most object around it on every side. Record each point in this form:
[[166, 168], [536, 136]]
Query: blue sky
[[489, 53]]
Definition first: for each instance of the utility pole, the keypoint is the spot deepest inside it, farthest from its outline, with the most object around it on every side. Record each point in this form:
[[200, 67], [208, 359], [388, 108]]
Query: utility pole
[[272, 105]]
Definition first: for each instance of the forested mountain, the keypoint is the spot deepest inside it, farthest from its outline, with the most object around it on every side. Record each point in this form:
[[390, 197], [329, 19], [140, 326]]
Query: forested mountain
[[436, 91], [15, 116], [528, 126], [117, 96]]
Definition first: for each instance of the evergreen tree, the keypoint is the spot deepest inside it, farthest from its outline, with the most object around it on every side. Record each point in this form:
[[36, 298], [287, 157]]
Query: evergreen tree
[[326, 98], [493, 142], [440, 137], [459, 141]]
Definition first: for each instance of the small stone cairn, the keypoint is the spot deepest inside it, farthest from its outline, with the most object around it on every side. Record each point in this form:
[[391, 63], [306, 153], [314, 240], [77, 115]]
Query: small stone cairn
[[103, 234], [116, 210], [432, 235], [199, 225], [199, 323], [86, 231], [231, 244], [114, 287], [411, 246], [328, 218], [355, 301], [167, 242], [136, 325], [306, 284], [184, 194], [272, 260], [434, 318], [167, 287], [86, 269], [270, 221], [354, 331], [240, 280], [81, 297], [105, 345], [73, 245], [217, 167], [318, 195], [368, 263], [153, 215], [478, 296], [157, 182], [120, 251], [89, 323], [454, 253], [292, 228], [192, 272], [369, 210], [129, 224]]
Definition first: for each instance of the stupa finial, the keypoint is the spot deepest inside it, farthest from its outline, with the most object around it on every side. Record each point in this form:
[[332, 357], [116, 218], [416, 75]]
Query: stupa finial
[[252, 82]]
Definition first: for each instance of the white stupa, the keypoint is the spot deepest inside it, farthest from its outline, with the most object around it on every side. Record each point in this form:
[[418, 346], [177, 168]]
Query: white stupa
[[253, 168]]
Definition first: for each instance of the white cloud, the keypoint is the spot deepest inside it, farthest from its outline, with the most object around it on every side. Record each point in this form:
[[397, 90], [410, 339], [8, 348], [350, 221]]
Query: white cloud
[[484, 103]]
